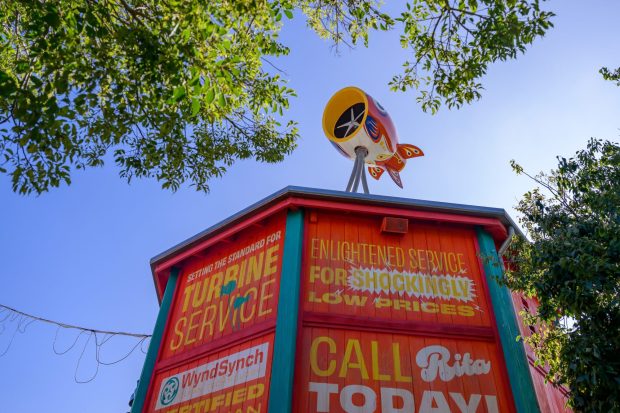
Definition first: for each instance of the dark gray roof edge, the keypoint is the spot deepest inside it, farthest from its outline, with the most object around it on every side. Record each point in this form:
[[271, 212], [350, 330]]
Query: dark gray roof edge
[[418, 204]]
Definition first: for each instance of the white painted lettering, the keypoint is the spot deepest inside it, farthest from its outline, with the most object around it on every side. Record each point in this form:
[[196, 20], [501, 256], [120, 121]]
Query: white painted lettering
[[464, 407], [434, 361], [346, 399], [430, 399], [323, 390], [388, 394]]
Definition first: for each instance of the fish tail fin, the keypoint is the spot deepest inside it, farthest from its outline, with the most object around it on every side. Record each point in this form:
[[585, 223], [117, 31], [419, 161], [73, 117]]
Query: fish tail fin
[[395, 177], [408, 151], [375, 172]]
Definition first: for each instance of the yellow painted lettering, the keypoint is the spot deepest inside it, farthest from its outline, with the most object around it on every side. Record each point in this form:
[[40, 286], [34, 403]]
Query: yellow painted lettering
[[215, 286], [314, 248], [314, 273], [271, 260], [179, 327], [264, 298], [314, 359], [242, 313], [207, 320], [398, 375], [376, 375], [186, 295], [353, 346]]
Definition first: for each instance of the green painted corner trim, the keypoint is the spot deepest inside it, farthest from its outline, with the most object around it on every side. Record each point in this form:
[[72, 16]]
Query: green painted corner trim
[[158, 332], [283, 365], [514, 353]]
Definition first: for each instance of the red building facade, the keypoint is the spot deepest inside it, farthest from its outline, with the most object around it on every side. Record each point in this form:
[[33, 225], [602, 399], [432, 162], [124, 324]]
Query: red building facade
[[324, 301]]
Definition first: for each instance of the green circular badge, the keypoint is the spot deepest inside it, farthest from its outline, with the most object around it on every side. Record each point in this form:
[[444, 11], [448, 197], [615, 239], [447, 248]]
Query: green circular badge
[[169, 392]]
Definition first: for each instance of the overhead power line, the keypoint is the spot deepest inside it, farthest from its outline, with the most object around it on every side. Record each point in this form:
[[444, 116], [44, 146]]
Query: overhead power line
[[21, 321], [65, 325]]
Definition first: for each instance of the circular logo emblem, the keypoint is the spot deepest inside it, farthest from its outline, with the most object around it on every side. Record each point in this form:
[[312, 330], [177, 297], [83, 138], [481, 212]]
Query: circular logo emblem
[[169, 392]]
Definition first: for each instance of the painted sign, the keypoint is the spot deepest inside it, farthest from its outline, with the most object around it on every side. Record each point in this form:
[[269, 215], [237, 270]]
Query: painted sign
[[429, 274], [234, 286], [233, 380], [361, 372]]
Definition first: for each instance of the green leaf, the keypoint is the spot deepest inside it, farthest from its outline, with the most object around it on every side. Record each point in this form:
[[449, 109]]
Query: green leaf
[[52, 18], [179, 93], [210, 96], [195, 106]]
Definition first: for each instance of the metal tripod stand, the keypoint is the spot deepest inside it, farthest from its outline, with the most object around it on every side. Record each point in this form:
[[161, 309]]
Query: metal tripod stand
[[358, 171]]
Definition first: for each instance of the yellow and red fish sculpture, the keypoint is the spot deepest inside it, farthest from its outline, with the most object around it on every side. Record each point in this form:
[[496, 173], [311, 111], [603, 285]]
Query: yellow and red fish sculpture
[[352, 119]]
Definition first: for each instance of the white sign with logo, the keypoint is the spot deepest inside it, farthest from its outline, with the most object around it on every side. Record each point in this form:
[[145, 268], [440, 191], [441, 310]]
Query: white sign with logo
[[226, 372]]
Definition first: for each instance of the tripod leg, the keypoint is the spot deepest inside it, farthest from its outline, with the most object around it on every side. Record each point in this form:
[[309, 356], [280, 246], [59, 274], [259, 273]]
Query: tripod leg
[[359, 162], [364, 182], [353, 173]]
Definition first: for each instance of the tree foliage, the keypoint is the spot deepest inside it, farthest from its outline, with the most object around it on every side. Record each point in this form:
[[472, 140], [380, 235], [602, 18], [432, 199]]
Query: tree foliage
[[572, 266], [452, 42], [175, 89], [611, 75], [180, 89]]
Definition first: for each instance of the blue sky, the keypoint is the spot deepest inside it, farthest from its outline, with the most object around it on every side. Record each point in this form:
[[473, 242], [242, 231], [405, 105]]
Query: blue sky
[[80, 254]]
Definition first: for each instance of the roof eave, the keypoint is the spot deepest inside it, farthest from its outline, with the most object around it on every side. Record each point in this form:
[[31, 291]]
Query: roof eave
[[323, 194]]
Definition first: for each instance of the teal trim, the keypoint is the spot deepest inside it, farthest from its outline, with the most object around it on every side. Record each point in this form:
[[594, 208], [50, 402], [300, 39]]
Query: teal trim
[[514, 353], [158, 332], [283, 365]]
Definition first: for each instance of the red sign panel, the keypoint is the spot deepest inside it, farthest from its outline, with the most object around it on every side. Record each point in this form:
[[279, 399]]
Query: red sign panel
[[233, 287], [346, 371], [233, 380], [430, 274]]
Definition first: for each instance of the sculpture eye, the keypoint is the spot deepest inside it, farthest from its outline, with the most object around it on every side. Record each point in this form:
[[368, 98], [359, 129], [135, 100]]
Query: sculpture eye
[[379, 107]]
